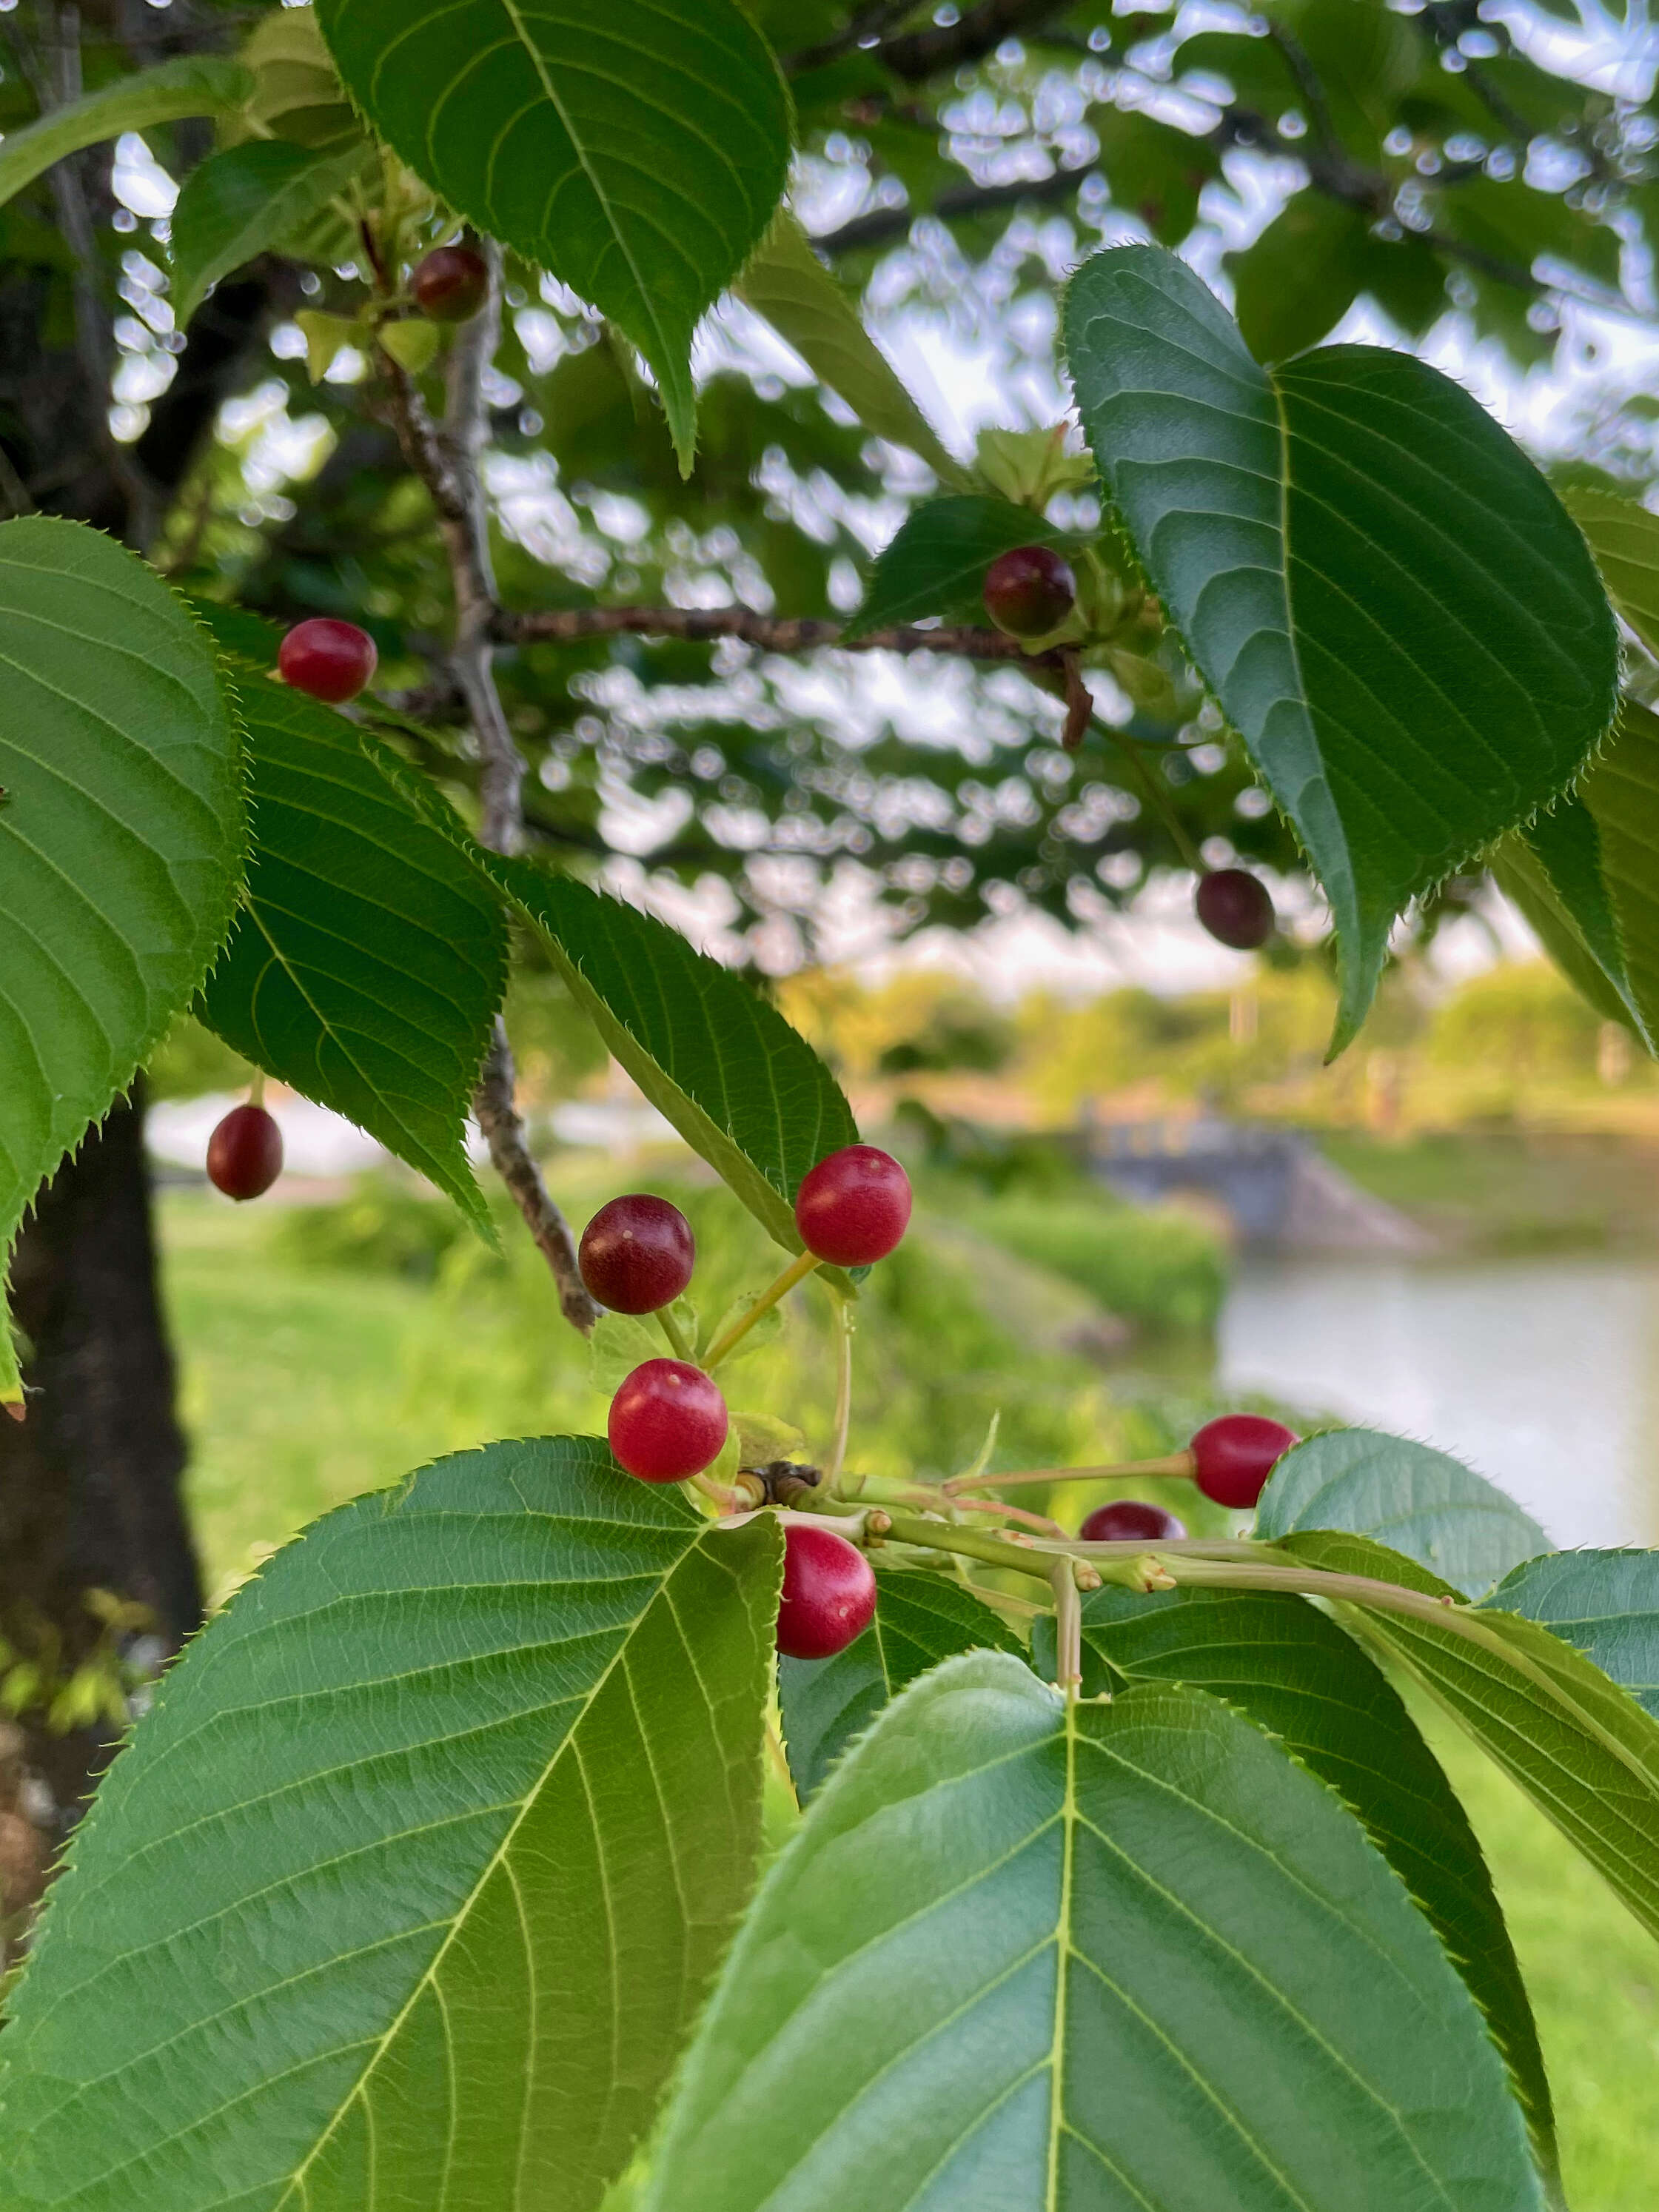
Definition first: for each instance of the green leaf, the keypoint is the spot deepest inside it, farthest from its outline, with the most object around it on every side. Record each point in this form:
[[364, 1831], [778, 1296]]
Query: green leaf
[[122, 835], [637, 150], [411, 341], [1624, 539], [412, 1884], [1604, 1604], [620, 1342], [238, 204], [1023, 1957], [1301, 277], [1291, 1670], [920, 1619], [1390, 604], [786, 283], [1580, 1747], [367, 963], [935, 562], [325, 334], [741, 1087], [1155, 170], [1423, 1503], [196, 84]]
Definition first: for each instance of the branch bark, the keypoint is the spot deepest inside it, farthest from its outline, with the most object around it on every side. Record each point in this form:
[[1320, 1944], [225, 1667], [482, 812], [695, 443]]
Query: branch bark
[[770, 633]]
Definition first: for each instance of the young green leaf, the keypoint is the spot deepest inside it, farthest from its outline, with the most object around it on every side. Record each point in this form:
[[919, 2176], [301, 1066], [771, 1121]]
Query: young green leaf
[[241, 201], [741, 1087], [1604, 1604], [195, 84], [1424, 1503], [122, 834], [1029, 1957], [1291, 1670], [920, 1619], [410, 1886], [366, 965], [1583, 1749], [784, 282], [1392, 606], [636, 150], [935, 562]]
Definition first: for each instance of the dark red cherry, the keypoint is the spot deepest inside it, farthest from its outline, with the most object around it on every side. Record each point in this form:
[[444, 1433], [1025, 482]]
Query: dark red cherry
[[1029, 590], [667, 1420], [451, 283], [637, 1254], [1234, 1454], [331, 660], [244, 1152], [1236, 908], [854, 1206], [1131, 1520], [828, 1593]]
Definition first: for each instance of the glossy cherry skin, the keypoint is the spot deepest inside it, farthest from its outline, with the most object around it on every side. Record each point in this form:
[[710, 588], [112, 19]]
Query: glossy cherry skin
[[1234, 1454], [828, 1593], [1029, 590], [244, 1152], [1236, 908], [331, 660], [667, 1420], [854, 1206], [451, 283], [1131, 1520], [637, 1254]]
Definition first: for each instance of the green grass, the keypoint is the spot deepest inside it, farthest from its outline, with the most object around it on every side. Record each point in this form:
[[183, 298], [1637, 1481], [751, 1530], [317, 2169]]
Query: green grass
[[305, 1384], [1508, 1190]]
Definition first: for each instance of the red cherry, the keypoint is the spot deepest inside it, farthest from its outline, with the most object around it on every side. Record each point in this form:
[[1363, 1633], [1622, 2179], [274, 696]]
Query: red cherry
[[1236, 908], [828, 1593], [330, 659], [667, 1420], [1130, 1521], [854, 1206], [1233, 1456], [244, 1152], [451, 283], [1029, 591], [637, 1254]]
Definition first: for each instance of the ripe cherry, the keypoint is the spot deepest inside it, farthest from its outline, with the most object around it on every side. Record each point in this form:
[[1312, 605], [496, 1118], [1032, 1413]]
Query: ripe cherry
[[331, 660], [667, 1420], [1234, 1454], [828, 1593], [854, 1206], [1029, 591], [451, 283], [244, 1152], [637, 1254], [1236, 908], [1131, 1520]]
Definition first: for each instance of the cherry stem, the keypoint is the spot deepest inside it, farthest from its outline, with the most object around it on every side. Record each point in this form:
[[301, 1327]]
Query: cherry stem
[[1163, 804], [1020, 1558], [837, 1458], [745, 1496], [1179, 1464], [796, 1272], [675, 1335], [1040, 1522], [255, 1090], [1069, 1627]]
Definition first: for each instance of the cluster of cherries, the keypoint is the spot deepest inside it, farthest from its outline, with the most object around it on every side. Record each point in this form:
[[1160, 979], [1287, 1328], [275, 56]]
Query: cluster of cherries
[[668, 1420], [1028, 591]]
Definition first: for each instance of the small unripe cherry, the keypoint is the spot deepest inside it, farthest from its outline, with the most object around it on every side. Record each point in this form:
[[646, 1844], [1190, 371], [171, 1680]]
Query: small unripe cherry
[[451, 283], [1132, 1521], [828, 1593], [854, 1207], [1029, 590], [667, 1420], [331, 660], [1236, 908], [244, 1152], [1234, 1454], [637, 1254]]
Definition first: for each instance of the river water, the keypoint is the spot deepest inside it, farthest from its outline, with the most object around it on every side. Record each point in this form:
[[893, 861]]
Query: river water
[[1543, 1373]]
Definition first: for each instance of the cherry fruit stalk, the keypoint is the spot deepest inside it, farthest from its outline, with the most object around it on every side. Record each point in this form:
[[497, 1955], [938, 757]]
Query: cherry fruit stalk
[[327, 660], [637, 1254], [828, 1593], [244, 1152], [668, 1421]]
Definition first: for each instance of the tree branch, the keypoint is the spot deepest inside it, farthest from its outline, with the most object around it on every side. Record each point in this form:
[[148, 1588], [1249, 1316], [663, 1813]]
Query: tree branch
[[881, 225], [770, 633], [914, 55], [447, 460]]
